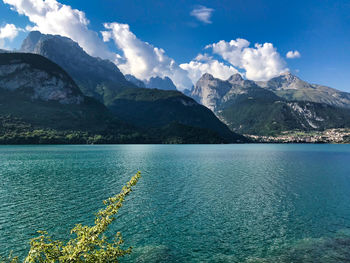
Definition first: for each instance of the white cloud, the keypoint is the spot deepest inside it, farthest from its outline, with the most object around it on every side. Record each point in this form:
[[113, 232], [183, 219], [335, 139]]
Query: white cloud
[[52, 17], [203, 57], [142, 59], [262, 62], [203, 14], [293, 54], [8, 32], [205, 64]]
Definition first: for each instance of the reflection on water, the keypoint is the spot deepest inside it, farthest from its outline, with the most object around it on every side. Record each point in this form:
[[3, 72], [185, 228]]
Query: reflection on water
[[194, 203]]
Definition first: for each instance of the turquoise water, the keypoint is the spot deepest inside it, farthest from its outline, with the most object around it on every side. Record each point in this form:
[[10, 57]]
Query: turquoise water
[[194, 203]]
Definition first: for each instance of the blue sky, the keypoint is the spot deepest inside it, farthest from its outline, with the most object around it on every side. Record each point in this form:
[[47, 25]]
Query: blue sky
[[319, 30]]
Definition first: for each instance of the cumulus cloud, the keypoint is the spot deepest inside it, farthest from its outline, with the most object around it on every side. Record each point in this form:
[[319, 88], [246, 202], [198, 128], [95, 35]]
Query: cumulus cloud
[[52, 17], [293, 54], [261, 62], [203, 14], [142, 59], [139, 58], [8, 32], [204, 63]]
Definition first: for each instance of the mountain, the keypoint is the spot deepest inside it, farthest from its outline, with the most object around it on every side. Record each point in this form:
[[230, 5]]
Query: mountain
[[40, 102], [248, 108], [152, 108], [102, 80], [291, 87], [95, 77], [37, 78]]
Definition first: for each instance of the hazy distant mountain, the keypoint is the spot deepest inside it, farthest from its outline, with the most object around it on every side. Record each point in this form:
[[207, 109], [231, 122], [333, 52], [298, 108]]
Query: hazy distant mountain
[[96, 77], [291, 87], [139, 83], [188, 92], [248, 108], [153, 83], [160, 83]]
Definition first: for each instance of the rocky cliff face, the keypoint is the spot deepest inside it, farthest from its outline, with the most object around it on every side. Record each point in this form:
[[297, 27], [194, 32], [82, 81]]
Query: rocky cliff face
[[306, 113], [26, 74], [96, 77], [40, 103], [209, 91]]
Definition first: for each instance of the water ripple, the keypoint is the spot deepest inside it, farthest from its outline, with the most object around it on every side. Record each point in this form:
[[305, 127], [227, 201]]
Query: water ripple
[[194, 203]]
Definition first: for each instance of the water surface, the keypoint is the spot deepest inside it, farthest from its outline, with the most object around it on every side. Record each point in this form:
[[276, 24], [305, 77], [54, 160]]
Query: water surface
[[194, 203]]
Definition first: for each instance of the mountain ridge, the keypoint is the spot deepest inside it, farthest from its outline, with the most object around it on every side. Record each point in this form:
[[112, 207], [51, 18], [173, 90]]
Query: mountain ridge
[[40, 103], [246, 107], [291, 87], [128, 102]]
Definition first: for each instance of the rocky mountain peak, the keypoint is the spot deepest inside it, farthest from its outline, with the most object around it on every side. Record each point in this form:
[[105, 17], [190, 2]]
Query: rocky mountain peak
[[29, 43], [209, 90], [288, 77], [206, 76], [235, 78], [36, 42]]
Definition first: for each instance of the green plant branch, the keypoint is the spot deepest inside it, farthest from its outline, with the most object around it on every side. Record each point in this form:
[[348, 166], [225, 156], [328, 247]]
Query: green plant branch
[[90, 244]]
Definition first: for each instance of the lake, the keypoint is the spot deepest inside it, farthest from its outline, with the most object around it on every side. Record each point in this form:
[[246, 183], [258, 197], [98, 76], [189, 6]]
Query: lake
[[194, 203]]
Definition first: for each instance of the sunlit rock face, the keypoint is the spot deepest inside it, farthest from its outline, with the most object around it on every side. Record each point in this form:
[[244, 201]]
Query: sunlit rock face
[[209, 91], [19, 74]]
